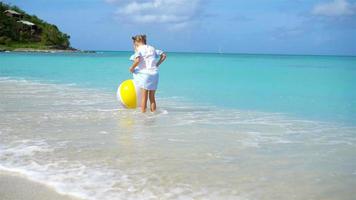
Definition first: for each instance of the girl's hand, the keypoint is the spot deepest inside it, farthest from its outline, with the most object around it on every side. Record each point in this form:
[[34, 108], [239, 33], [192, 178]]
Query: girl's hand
[[131, 69], [135, 64], [162, 58]]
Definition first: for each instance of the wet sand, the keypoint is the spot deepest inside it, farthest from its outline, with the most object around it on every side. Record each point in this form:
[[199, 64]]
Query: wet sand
[[17, 187]]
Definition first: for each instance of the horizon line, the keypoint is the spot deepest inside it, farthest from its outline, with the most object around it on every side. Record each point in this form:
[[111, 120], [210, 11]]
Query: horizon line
[[207, 52]]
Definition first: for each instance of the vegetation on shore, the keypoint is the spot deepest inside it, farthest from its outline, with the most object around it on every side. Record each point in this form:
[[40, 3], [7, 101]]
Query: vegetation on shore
[[19, 30]]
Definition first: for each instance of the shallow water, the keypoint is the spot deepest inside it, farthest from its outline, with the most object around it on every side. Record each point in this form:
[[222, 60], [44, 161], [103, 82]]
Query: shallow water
[[79, 142], [309, 87], [228, 127]]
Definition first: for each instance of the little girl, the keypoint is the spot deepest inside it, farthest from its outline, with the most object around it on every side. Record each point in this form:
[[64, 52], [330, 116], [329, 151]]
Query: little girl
[[145, 69]]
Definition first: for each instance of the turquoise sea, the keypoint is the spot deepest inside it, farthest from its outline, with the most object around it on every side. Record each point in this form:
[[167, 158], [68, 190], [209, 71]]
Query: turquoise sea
[[228, 126], [312, 87]]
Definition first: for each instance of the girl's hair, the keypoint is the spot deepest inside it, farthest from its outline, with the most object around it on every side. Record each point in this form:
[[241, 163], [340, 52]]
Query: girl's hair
[[139, 38]]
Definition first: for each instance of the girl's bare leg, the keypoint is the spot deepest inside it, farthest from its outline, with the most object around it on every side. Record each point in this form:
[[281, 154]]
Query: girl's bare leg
[[144, 100], [152, 100]]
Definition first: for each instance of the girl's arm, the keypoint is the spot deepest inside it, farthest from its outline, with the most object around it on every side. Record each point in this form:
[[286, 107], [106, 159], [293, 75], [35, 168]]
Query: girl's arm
[[161, 59], [135, 64]]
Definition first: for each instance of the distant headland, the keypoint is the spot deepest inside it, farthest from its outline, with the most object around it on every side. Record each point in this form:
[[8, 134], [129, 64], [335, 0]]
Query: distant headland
[[20, 31]]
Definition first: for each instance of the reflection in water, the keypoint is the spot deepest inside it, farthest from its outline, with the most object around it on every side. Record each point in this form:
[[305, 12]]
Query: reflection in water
[[126, 133]]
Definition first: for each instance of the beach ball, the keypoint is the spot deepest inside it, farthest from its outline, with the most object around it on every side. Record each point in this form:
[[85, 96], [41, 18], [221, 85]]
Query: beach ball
[[129, 94]]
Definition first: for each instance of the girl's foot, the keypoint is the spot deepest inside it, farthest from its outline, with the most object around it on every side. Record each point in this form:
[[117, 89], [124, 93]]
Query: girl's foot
[[152, 100], [144, 100], [153, 107]]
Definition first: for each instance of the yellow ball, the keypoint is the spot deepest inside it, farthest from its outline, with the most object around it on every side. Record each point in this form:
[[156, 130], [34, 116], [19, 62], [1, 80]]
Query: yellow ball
[[128, 94]]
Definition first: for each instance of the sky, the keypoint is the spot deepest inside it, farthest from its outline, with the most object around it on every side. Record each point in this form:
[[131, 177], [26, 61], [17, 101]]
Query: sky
[[228, 26]]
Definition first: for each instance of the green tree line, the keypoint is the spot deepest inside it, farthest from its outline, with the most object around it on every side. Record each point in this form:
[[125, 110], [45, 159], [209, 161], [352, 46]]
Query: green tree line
[[17, 35]]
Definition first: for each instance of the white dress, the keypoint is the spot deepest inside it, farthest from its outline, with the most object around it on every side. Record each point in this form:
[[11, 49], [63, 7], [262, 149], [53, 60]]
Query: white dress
[[146, 73]]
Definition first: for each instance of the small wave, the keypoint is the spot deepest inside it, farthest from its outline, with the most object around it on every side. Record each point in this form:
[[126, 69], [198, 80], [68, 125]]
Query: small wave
[[176, 140]]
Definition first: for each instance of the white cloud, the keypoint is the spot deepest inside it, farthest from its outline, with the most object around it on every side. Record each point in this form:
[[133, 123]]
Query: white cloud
[[334, 8], [173, 12]]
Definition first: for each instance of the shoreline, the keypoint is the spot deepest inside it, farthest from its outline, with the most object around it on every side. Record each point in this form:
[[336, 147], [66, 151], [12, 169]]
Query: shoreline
[[31, 50], [14, 186]]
